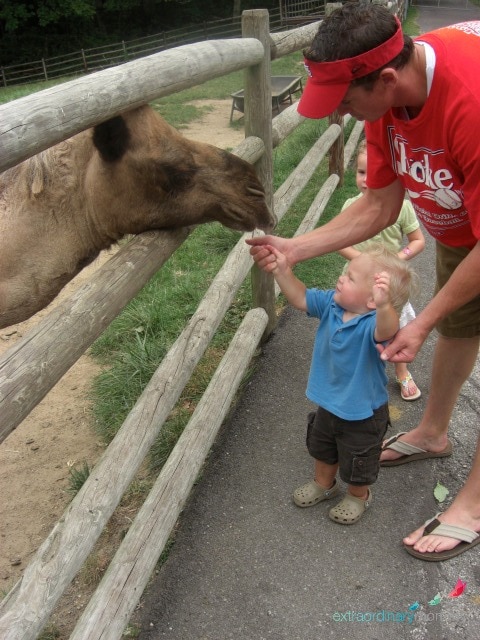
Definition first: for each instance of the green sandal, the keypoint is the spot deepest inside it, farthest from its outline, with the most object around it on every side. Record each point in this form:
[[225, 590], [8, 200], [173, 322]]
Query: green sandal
[[312, 493], [350, 509]]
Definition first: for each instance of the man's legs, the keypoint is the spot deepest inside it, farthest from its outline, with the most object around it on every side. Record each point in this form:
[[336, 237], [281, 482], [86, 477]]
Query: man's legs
[[453, 361], [463, 512]]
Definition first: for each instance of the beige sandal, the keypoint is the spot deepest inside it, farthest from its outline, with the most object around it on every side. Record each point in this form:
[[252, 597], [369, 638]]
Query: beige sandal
[[350, 509], [311, 493], [404, 388]]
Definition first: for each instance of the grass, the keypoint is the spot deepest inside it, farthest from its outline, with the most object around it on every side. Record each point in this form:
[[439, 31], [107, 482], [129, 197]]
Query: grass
[[50, 632], [7, 94], [410, 25], [77, 478]]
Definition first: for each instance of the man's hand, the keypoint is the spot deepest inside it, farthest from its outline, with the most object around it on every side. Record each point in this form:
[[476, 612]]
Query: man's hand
[[405, 345], [261, 251]]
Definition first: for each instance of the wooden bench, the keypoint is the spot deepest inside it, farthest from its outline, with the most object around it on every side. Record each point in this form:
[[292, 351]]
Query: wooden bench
[[283, 88]]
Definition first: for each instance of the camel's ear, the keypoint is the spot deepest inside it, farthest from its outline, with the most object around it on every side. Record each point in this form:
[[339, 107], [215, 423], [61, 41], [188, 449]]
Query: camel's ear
[[112, 139]]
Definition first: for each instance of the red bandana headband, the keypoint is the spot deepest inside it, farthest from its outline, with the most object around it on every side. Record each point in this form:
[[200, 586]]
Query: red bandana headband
[[328, 82]]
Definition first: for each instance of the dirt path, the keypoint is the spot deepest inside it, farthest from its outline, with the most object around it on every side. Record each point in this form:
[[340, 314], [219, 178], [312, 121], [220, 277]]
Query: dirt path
[[36, 458]]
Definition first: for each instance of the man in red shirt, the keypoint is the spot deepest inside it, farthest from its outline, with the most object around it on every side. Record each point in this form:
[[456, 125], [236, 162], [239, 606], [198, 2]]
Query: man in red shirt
[[421, 104]]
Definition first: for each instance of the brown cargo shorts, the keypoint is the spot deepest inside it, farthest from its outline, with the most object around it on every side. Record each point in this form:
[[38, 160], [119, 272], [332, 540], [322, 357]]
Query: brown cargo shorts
[[465, 321], [355, 444]]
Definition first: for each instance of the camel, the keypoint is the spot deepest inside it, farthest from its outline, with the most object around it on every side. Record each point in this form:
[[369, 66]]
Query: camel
[[127, 175]]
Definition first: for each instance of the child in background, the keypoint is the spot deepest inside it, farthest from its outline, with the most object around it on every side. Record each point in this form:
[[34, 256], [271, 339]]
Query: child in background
[[407, 225], [347, 377]]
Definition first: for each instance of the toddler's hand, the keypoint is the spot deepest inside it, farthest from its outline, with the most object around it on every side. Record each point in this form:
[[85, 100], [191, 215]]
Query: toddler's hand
[[381, 289], [277, 262]]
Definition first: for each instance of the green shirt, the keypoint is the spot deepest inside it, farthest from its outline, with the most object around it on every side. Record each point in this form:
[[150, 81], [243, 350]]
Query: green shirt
[[391, 237]]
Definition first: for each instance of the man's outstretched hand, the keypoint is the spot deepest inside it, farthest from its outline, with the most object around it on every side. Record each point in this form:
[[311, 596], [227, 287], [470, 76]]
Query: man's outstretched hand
[[262, 254]]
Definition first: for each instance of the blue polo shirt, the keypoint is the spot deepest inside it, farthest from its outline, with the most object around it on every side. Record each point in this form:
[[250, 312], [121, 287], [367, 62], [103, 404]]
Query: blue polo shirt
[[347, 376]]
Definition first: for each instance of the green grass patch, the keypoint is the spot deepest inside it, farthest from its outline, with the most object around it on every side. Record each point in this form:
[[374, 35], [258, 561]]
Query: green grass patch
[[7, 94], [410, 24], [77, 478]]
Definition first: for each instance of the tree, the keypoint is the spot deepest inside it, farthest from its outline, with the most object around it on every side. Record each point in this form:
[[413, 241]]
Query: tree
[[14, 15]]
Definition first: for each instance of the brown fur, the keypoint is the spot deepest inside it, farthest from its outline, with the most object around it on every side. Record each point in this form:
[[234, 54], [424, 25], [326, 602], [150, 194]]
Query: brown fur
[[133, 173]]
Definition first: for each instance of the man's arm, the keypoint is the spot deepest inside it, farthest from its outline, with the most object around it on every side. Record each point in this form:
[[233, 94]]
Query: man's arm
[[463, 286], [367, 216], [349, 253]]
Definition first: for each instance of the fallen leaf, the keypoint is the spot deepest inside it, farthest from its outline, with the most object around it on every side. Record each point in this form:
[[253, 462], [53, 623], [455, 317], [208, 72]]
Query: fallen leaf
[[440, 492]]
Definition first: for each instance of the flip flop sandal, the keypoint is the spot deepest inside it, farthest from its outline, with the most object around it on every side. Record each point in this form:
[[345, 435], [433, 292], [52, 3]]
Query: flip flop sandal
[[467, 537], [404, 384], [350, 509], [311, 493], [410, 452]]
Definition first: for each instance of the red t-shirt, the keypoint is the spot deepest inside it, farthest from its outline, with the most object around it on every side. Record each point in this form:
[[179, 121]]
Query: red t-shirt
[[437, 154]]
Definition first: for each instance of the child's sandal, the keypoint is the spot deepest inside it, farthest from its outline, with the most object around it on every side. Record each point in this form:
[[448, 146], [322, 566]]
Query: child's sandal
[[311, 493], [350, 509], [405, 385]]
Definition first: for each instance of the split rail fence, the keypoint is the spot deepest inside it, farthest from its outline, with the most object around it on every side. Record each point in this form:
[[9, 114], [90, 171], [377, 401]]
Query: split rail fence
[[34, 365]]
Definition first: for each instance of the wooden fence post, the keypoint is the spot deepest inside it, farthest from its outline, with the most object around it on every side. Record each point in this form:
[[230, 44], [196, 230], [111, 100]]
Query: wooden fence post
[[258, 122], [336, 155], [335, 164], [84, 60]]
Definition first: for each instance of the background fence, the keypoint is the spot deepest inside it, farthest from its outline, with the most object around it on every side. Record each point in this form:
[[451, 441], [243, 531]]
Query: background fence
[[33, 123], [97, 58]]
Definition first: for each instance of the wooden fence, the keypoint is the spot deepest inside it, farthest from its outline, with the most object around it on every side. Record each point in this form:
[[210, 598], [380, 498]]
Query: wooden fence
[[32, 366]]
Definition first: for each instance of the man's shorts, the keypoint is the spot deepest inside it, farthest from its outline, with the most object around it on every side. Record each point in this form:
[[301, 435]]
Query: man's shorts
[[464, 322], [355, 444]]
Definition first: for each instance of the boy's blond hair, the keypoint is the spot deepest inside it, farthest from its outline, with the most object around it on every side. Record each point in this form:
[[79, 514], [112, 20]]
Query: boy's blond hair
[[362, 148], [403, 279]]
